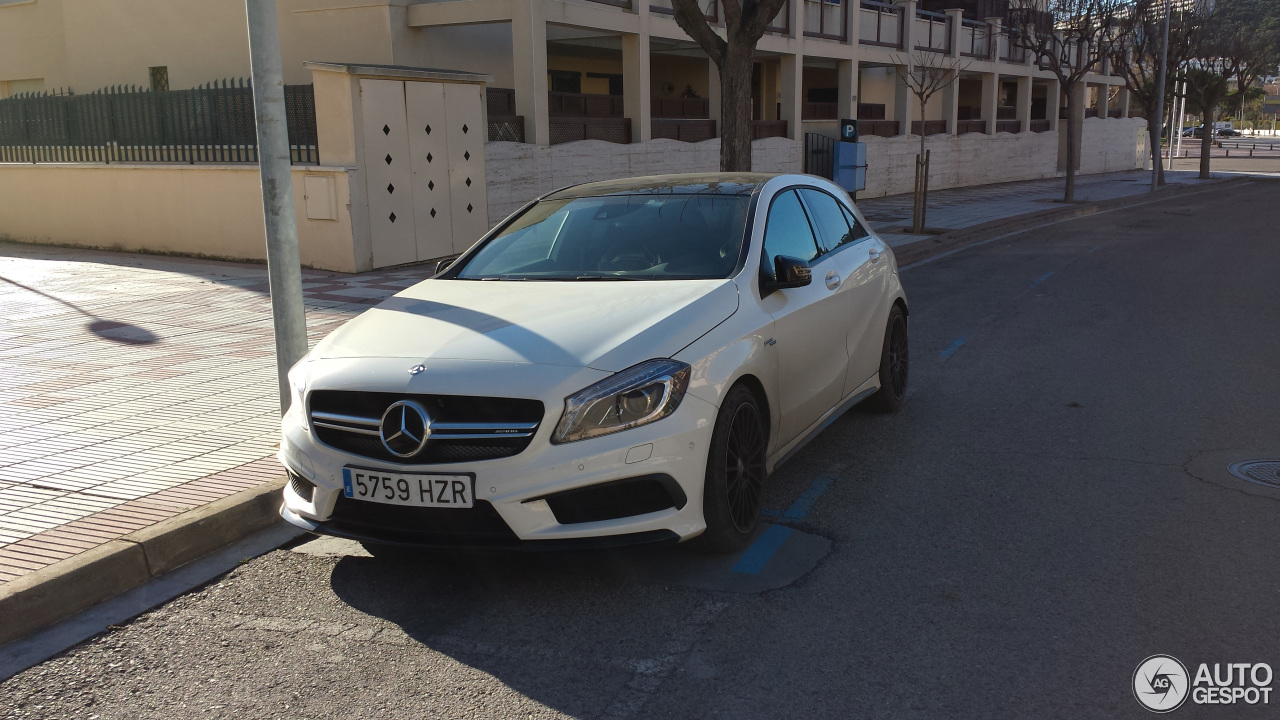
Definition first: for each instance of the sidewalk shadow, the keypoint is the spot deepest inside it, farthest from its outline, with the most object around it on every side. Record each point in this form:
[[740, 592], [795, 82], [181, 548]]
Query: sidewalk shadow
[[118, 332]]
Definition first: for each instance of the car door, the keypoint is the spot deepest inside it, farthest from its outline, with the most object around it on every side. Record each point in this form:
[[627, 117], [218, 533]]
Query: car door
[[809, 325], [870, 300]]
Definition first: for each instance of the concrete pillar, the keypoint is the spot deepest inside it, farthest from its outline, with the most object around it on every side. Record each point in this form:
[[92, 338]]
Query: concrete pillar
[[957, 22], [795, 18], [1024, 103], [990, 99], [904, 102], [908, 25], [951, 104], [529, 61], [713, 93], [1104, 100], [847, 89], [636, 90], [1052, 102], [1123, 100], [995, 31], [853, 23], [791, 85]]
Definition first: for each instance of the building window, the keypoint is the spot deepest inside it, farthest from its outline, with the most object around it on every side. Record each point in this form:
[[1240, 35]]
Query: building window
[[566, 81], [159, 78]]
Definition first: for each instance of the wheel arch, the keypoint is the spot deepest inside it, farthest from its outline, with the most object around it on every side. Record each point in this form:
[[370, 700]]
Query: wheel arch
[[753, 383]]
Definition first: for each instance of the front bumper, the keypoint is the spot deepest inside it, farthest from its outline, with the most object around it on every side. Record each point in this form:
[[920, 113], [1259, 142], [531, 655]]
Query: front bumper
[[512, 491]]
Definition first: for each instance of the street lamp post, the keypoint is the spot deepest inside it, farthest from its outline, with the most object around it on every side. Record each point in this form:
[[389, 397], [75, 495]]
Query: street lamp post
[[1164, 61], [284, 268]]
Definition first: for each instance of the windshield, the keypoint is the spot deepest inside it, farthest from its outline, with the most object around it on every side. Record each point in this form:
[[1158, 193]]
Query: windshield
[[617, 237]]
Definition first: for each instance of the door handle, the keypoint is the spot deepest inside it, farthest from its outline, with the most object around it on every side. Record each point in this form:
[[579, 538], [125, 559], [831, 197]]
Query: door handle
[[833, 280], [874, 254]]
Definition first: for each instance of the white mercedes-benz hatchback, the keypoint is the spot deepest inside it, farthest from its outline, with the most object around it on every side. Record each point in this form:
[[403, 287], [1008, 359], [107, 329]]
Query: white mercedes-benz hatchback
[[619, 362]]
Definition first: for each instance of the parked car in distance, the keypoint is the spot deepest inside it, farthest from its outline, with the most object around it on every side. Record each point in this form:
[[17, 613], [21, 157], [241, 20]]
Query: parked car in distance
[[619, 362], [1226, 132]]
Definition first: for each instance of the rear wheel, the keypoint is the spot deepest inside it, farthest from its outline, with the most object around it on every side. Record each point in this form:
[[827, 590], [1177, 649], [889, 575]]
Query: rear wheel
[[733, 492], [894, 363]]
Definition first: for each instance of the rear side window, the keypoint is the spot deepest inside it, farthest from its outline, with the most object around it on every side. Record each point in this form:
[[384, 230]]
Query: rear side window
[[856, 231], [832, 227], [787, 232]]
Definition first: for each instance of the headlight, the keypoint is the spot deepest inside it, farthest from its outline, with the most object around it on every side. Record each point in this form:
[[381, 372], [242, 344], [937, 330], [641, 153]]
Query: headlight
[[636, 396]]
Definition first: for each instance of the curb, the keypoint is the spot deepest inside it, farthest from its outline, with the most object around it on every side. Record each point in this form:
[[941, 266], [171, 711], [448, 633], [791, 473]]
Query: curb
[[54, 593], [953, 240]]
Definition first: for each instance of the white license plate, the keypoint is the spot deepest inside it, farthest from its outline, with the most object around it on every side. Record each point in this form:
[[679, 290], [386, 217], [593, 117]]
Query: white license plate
[[415, 489]]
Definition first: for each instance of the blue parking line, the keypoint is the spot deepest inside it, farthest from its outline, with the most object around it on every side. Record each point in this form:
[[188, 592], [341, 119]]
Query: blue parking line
[[769, 512], [804, 503], [952, 348], [1041, 279], [762, 550]]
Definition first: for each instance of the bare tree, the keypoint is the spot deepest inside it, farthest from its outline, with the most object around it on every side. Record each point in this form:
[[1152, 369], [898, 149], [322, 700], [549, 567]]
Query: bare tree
[[1069, 38], [744, 23], [1137, 58], [1208, 84], [925, 74]]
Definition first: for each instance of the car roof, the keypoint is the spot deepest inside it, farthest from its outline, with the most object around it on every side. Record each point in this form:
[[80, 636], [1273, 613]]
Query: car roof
[[682, 184]]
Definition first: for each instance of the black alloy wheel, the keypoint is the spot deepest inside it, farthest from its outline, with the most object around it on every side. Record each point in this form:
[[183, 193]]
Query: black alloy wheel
[[733, 492], [894, 365]]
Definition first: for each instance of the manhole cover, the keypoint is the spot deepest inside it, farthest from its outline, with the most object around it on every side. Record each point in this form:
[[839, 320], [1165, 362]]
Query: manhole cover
[[1262, 472]]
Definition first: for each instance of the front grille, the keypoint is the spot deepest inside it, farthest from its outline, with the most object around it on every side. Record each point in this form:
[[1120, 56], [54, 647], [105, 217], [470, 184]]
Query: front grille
[[463, 428], [480, 525]]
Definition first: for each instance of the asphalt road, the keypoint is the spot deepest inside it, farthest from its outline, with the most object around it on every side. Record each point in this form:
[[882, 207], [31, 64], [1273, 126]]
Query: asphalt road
[[1051, 507]]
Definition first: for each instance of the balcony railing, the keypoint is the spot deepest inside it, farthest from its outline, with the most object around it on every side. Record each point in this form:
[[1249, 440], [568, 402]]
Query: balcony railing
[[878, 128], [930, 127], [881, 24], [933, 31], [827, 19], [1040, 126], [1009, 126], [975, 39], [768, 128], [683, 129], [781, 23], [693, 108], [616, 130], [616, 3], [970, 126], [585, 105]]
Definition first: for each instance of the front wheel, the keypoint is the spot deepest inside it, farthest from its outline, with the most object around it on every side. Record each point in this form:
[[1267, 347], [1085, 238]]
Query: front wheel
[[733, 493], [894, 362]]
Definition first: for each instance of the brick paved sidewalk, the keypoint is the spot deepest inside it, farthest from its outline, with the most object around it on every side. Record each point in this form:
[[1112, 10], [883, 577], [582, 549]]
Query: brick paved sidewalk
[[135, 387]]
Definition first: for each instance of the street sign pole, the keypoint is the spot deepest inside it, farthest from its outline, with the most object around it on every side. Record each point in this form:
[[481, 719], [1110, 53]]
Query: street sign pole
[[284, 269]]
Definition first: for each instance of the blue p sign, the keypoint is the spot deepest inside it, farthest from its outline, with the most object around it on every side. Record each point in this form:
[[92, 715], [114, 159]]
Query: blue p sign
[[849, 130]]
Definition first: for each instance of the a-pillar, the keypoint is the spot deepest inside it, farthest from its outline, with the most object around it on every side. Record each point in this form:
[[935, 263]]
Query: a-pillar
[[636, 91], [847, 89], [790, 87], [1024, 103], [529, 61], [990, 100]]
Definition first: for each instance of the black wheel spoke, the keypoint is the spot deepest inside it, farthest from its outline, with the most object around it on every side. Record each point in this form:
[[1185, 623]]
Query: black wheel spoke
[[744, 467]]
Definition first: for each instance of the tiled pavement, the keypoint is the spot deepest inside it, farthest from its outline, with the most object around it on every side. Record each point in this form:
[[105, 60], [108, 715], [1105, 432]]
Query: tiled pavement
[[135, 387]]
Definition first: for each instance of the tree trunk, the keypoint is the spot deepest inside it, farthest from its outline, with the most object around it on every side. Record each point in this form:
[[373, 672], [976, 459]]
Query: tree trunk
[[1206, 144], [735, 109], [1069, 194], [1153, 128]]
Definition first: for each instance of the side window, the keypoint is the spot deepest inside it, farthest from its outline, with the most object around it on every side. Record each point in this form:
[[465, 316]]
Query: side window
[[787, 232], [833, 229], [856, 231]]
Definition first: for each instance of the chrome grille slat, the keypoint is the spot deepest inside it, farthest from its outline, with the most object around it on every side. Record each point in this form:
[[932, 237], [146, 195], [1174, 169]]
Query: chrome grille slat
[[351, 419], [345, 428], [477, 436]]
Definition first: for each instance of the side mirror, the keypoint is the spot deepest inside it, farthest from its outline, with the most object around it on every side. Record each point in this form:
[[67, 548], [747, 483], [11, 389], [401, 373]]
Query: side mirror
[[444, 264], [788, 272]]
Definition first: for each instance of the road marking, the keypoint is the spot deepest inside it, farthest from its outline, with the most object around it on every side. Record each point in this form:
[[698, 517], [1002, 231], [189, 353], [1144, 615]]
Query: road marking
[[804, 503], [762, 550], [952, 348], [1041, 279]]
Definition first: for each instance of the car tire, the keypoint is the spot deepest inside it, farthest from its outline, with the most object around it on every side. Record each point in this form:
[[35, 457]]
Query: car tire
[[733, 492], [894, 364]]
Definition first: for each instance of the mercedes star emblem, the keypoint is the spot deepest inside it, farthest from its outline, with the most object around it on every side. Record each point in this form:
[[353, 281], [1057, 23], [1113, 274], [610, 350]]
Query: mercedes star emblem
[[405, 428]]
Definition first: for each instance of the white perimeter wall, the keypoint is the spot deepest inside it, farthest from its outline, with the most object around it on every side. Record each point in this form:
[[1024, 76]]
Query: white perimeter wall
[[517, 173], [1111, 144], [959, 160]]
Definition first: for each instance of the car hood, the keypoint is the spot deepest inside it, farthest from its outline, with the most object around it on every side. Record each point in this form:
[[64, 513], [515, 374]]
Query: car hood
[[606, 325]]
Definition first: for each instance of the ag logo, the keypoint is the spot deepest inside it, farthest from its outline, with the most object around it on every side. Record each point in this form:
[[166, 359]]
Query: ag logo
[[1160, 683]]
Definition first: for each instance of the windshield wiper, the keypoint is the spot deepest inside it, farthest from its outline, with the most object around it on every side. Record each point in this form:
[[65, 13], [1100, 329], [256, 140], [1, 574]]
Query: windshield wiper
[[606, 277]]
